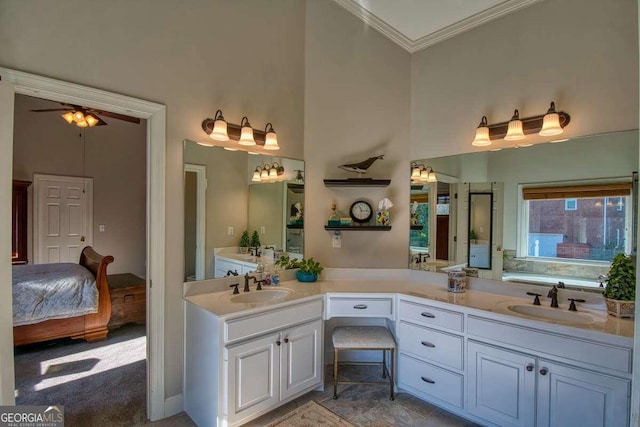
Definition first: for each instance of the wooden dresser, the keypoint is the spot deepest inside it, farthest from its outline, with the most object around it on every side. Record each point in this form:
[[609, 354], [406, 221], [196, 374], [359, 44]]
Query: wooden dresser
[[128, 299]]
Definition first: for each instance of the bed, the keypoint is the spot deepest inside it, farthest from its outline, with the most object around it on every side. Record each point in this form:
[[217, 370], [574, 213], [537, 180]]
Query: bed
[[46, 324]]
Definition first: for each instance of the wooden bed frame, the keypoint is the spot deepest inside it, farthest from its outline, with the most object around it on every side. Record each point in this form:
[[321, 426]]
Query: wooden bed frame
[[92, 327]]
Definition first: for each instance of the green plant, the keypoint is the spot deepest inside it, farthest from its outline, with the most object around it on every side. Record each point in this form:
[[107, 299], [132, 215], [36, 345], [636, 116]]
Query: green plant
[[310, 266], [621, 280], [255, 239], [472, 234], [287, 263], [244, 239]]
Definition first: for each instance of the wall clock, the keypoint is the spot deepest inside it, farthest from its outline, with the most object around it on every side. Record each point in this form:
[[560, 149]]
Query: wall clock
[[361, 211]]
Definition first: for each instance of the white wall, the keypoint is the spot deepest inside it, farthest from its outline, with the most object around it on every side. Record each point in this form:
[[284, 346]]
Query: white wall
[[581, 53], [115, 159], [356, 106]]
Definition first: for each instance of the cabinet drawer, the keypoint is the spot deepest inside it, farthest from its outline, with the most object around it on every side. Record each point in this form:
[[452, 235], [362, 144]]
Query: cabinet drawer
[[431, 345], [430, 380], [128, 296], [251, 325], [431, 316], [361, 307], [567, 347]]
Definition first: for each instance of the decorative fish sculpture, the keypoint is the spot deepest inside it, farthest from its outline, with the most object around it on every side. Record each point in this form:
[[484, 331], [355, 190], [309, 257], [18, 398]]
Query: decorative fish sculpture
[[361, 167]]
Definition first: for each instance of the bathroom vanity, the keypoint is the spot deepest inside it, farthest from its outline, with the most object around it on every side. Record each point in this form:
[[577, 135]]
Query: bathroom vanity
[[485, 356]]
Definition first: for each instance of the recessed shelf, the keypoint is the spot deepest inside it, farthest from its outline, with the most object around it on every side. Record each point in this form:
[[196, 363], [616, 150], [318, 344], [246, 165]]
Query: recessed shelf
[[298, 226], [357, 182], [359, 227], [417, 227]]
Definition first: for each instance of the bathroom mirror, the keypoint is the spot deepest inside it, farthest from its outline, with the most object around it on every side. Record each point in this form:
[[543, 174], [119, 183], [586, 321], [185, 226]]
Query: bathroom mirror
[[525, 247], [222, 200]]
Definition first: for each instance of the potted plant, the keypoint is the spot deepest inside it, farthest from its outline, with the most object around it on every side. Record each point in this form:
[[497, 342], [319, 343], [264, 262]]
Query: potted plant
[[308, 270], [620, 293], [255, 239], [244, 242], [473, 237]]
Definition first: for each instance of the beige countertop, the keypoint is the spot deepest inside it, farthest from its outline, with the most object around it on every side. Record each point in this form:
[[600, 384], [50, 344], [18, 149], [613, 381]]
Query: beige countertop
[[493, 304]]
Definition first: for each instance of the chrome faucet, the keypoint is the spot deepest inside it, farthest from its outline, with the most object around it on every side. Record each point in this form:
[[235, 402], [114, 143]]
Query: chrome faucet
[[553, 294]]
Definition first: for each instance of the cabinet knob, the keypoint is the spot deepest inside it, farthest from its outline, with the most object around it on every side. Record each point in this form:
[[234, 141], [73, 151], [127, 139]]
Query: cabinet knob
[[428, 344], [429, 315], [360, 307], [278, 342], [286, 340], [428, 380], [543, 371], [530, 367]]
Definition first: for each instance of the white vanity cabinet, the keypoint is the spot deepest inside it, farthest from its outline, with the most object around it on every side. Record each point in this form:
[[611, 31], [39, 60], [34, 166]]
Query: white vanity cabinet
[[223, 265], [242, 366]]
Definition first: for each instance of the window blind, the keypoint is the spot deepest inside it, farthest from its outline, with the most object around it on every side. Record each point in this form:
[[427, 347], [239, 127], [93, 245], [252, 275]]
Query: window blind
[[577, 191]]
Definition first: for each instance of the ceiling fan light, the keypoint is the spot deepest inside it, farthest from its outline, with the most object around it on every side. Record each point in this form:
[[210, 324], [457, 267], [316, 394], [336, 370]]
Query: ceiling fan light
[[68, 117], [482, 134], [78, 116], [514, 131], [551, 123], [82, 124], [219, 132], [246, 133], [91, 120], [270, 139]]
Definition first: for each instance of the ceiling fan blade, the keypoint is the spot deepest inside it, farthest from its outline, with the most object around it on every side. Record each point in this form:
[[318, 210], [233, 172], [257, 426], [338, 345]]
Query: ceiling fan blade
[[51, 109], [117, 116]]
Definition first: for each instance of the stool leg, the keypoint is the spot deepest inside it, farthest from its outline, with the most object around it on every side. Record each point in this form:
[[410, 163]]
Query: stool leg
[[384, 364], [391, 362], [335, 374]]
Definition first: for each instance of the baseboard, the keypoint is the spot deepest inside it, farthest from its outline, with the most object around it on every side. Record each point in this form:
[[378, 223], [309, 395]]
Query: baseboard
[[173, 405]]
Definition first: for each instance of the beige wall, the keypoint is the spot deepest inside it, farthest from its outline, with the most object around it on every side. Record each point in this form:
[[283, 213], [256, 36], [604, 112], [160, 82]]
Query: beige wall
[[581, 53], [115, 159], [166, 52], [356, 105]]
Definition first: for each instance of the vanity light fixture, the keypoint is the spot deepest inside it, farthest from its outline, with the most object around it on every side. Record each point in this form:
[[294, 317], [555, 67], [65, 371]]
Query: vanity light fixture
[[420, 172], [514, 131], [264, 173], [256, 174], [220, 130], [551, 123]]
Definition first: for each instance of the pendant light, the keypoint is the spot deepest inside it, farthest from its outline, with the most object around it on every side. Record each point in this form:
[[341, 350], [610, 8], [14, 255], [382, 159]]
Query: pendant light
[[482, 134], [270, 139], [219, 132], [514, 131], [551, 122], [246, 133]]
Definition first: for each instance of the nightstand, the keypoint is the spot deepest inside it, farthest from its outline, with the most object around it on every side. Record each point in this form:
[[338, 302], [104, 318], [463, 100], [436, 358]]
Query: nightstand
[[128, 299]]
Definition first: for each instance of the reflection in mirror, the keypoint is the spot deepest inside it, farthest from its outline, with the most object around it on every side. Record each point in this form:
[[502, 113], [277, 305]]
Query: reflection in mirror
[[223, 198], [561, 210], [480, 231]]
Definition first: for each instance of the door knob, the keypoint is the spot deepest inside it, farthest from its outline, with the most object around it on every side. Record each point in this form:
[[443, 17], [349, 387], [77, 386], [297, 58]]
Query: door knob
[[82, 238], [530, 367], [278, 342], [543, 371], [286, 340]]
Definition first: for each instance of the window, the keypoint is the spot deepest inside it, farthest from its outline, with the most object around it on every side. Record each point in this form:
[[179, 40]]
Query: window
[[588, 222]]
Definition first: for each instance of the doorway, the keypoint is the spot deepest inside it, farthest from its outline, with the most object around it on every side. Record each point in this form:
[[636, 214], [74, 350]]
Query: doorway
[[195, 197]]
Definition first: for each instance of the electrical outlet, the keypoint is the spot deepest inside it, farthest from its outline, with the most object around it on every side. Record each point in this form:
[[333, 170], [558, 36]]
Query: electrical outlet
[[262, 230], [101, 228], [337, 240], [230, 231]]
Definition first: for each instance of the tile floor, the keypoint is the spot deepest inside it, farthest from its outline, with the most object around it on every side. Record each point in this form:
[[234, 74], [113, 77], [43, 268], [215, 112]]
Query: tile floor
[[369, 405]]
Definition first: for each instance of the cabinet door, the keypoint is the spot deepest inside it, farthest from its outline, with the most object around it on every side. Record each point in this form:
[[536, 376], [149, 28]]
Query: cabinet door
[[254, 372], [571, 396], [501, 385], [301, 358]]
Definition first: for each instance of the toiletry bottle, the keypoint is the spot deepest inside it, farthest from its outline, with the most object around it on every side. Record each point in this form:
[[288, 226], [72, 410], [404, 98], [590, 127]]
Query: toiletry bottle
[[275, 276]]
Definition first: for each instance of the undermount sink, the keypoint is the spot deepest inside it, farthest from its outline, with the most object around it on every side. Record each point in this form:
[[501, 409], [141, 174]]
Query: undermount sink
[[265, 295], [554, 314]]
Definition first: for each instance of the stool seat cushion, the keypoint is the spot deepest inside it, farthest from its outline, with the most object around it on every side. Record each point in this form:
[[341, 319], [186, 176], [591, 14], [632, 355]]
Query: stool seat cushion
[[364, 337]]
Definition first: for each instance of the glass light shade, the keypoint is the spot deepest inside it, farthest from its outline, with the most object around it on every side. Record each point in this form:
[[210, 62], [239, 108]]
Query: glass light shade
[[271, 141], [551, 125], [424, 175], [431, 177], [82, 124], [273, 172], [78, 116], [514, 131], [482, 137], [91, 120], [264, 174], [68, 117], [256, 176], [219, 132], [246, 136], [415, 173]]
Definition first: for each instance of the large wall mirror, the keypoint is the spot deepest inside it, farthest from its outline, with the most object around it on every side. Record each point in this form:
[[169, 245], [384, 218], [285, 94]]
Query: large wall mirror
[[223, 198], [555, 211]]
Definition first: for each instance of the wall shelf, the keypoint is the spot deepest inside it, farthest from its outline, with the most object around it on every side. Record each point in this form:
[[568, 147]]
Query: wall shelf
[[417, 227], [359, 228], [295, 226], [357, 182]]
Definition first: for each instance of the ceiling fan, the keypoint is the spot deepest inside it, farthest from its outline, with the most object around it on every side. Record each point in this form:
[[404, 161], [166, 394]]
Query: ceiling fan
[[87, 117]]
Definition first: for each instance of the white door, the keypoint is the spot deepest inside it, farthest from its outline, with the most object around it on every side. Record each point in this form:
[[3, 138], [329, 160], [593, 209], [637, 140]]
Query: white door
[[301, 358], [501, 385], [254, 370], [570, 396], [63, 217]]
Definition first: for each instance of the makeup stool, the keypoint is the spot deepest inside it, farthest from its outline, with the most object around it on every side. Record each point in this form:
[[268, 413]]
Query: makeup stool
[[364, 338]]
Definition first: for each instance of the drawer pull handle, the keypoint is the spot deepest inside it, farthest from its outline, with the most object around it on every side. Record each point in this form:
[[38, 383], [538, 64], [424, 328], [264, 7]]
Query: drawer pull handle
[[429, 315], [544, 371], [428, 344], [530, 367], [360, 307], [428, 380]]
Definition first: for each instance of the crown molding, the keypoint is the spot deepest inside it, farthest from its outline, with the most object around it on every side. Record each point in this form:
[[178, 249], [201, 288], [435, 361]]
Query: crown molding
[[452, 30]]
